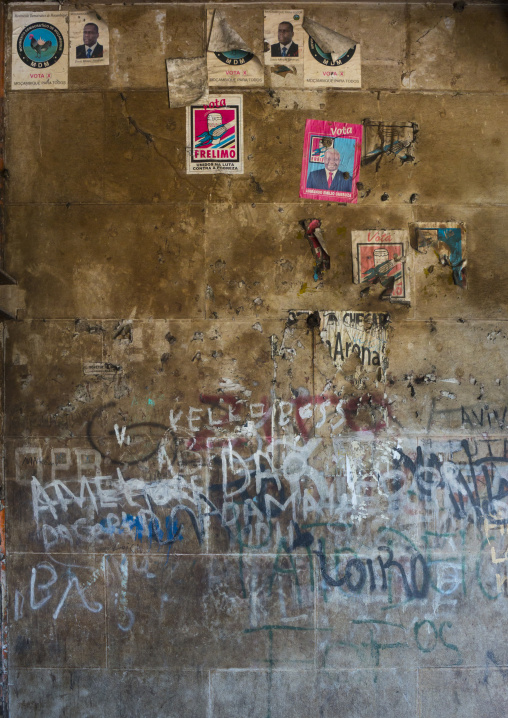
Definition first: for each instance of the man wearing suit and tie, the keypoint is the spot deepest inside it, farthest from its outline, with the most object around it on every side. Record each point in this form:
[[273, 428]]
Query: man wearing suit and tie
[[330, 177], [91, 48], [285, 47]]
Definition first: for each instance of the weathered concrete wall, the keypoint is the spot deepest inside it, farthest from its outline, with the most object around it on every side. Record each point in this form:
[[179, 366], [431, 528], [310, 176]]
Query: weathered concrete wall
[[218, 522]]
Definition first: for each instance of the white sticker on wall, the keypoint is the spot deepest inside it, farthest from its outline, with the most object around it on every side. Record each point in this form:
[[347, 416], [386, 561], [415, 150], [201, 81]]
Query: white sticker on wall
[[88, 39]]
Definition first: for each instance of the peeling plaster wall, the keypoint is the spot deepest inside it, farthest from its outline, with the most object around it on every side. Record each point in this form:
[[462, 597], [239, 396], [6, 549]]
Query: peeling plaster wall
[[205, 516]]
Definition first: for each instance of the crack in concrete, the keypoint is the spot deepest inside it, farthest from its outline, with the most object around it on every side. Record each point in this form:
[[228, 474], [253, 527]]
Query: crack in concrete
[[429, 30], [150, 140]]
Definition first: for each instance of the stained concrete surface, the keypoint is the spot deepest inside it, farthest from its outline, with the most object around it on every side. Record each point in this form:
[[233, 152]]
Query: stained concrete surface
[[205, 517]]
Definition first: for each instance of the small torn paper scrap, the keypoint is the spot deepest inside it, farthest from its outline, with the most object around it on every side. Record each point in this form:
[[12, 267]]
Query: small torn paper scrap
[[230, 60], [445, 245], [104, 369], [355, 333], [380, 262], [88, 40], [331, 161], [186, 80], [314, 235], [390, 139], [215, 135], [40, 53], [331, 59]]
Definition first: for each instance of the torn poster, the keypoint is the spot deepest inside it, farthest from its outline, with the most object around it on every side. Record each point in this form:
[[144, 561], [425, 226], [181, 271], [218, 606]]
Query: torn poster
[[39, 50], [445, 244], [331, 59], [331, 161], [215, 135], [380, 261], [347, 334], [186, 80], [88, 40], [390, 139], [314, 236], [284, 37], [230, 60]]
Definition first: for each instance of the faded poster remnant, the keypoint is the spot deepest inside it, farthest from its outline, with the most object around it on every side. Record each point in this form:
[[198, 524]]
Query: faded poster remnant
[[391, 139], [331, 161], [284, 37], [380, 257], [186, 80], [215, 135], [88, 40], [314, 235], [348, 334], [447, 242], [230, 60], [331, 59], [39, 50]]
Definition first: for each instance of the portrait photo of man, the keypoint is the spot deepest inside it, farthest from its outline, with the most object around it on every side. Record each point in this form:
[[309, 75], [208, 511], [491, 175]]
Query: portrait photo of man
[[91, 47], [285, 47], [330, 177]]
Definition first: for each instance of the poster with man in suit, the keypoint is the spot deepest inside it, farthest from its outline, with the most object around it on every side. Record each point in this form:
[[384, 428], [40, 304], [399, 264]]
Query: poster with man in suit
[[331, 161], [283, 37], [88, 40]]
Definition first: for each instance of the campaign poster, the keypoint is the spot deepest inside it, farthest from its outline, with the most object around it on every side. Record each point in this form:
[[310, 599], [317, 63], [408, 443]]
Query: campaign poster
[[284, 37], [230, 61], [88, 40], [444, 245], [331, 59], [215, 135], [380, 261], [388, 139], [351, 333], [40, 50], [331, 161]]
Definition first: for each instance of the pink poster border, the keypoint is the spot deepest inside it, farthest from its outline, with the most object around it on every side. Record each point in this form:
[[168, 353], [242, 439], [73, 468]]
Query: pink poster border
[[337, 130]]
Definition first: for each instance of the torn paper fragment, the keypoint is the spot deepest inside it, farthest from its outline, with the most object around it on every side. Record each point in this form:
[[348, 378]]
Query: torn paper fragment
[[186, 80], [283, 70], [223, 37], [329, 41], [314, 236], [230, 60], [390, 139], [284, 37], [40, 50], [331, 161], [215, 135], [331, 59], [442, 246], [88, 40], [363, 335], [381, 263]]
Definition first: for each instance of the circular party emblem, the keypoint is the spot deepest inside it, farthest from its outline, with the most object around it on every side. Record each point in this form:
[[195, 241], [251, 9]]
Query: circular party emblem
[[325, 58], [40, 44], [234, 57]]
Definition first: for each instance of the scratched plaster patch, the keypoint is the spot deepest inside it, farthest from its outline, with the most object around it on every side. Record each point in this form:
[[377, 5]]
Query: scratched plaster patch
[[441, 246], [388, 139]]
